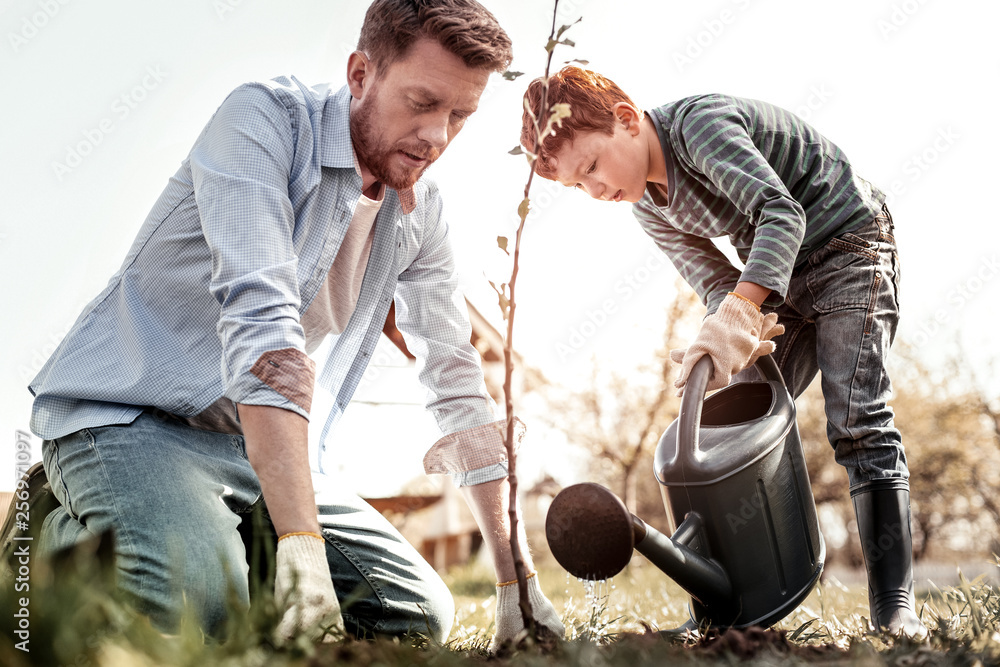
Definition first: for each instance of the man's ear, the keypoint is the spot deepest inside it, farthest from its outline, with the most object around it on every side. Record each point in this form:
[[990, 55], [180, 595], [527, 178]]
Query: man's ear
[[360, 73], [629, 117]]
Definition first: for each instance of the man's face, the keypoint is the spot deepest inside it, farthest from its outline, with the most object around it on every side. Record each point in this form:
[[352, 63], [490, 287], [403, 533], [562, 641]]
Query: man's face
[[609, 167], [405, 115]]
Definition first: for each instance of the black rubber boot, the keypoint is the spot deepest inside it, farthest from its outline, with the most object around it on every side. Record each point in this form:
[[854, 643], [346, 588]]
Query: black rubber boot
[[883, 512]]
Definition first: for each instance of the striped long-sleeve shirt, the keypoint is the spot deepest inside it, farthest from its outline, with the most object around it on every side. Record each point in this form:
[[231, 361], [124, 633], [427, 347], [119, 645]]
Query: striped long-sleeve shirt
[[761, 176]]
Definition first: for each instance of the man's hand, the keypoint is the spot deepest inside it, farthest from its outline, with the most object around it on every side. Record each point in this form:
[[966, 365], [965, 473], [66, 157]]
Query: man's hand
[[489, 503], [304, 589], [735, 336], [508, 619], [278, 448]]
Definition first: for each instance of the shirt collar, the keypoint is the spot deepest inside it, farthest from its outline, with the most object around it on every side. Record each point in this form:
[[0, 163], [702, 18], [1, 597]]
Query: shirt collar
[[337, 151], [659, 197]]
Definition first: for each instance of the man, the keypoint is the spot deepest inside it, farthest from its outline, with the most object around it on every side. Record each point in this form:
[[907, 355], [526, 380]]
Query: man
[[178, 402]]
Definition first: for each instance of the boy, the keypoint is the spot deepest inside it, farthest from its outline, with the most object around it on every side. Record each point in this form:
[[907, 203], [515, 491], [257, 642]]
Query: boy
[[816, 241]]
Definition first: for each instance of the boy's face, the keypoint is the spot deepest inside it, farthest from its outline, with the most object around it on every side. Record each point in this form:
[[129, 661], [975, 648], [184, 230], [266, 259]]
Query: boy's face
[[608, 167]]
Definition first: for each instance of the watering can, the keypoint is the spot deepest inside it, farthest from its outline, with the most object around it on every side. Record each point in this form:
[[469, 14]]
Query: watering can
[[747, 545]]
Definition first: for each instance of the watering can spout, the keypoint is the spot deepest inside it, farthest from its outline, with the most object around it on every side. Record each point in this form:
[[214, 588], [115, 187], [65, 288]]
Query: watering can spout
[[592, 534], [703, 578]]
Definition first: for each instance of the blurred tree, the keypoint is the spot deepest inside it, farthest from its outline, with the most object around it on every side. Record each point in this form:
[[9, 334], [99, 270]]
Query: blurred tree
[[951, 433], [618, 417]]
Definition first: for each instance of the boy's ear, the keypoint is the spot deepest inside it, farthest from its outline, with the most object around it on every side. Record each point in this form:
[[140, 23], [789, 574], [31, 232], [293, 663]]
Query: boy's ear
[[628, 116]]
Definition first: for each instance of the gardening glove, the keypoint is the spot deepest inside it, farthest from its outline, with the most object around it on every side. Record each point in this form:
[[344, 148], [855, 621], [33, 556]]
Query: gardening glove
[[509, 622], [732, 336], [770, 329], [304, 589]]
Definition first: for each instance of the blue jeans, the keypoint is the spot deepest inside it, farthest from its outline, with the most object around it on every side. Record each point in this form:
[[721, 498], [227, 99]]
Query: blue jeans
[[180, 502], [840, 318]]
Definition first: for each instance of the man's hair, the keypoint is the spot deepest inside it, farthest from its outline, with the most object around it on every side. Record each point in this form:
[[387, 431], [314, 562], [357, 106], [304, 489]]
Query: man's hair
[[463, 27], [591, 98]]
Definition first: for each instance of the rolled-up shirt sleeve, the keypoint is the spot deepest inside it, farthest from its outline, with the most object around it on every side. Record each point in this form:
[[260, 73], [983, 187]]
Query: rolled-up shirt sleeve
[[242, 165], [474, 455]]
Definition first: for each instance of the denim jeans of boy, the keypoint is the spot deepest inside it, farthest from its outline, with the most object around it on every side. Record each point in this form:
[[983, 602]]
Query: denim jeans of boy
[[181, 502], [840, 318]]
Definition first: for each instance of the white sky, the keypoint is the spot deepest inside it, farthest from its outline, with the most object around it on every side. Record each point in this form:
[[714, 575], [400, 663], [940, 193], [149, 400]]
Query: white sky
[[908, 89]]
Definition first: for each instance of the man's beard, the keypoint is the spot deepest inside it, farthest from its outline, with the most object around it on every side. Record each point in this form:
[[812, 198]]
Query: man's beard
[[380, 158]]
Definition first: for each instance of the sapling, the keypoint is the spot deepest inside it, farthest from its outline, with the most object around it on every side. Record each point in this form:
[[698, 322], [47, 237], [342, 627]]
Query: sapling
[[508, 305]]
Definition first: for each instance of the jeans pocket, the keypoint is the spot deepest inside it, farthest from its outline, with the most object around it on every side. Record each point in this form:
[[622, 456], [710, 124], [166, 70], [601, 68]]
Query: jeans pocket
[[844, 274], [52, 452]]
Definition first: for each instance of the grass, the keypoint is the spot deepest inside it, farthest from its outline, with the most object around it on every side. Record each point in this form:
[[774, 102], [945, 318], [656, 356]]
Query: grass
[[614, 624]]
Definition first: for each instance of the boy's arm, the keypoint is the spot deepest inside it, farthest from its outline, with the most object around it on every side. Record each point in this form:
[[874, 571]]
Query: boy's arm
[[697, 259], [752, 291], [714, 138]]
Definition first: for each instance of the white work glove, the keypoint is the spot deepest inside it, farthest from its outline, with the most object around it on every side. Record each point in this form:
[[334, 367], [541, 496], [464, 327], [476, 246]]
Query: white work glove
[[732, 336], [304, 589], [508, 620]]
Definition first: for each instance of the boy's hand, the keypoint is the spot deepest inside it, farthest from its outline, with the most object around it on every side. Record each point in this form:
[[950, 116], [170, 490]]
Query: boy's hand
[[509, 622], [735, 336], [770, 329]]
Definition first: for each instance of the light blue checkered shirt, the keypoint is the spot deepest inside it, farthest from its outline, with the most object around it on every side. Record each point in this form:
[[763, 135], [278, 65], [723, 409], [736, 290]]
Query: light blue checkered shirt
[[230, 257]]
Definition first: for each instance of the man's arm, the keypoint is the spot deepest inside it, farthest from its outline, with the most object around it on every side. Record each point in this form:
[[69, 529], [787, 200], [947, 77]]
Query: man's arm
[[278, 448], [431, 314], [490, 504], [240, 170]]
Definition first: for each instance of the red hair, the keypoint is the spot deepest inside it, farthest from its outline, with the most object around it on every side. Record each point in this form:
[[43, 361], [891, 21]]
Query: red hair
[[591, 98]]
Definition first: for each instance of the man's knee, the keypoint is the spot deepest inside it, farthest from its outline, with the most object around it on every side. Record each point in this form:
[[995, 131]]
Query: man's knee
[[439, 610], [170, 576], [207, 575], [422, 605]]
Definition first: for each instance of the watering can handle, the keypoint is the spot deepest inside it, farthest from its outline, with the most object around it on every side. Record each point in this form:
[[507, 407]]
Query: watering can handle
[[689, 420]]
